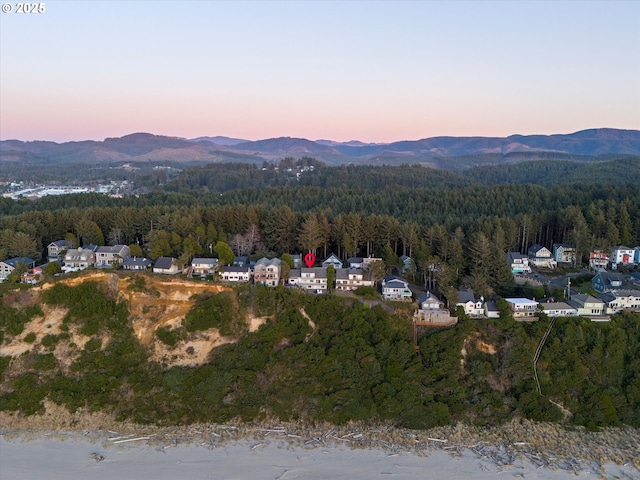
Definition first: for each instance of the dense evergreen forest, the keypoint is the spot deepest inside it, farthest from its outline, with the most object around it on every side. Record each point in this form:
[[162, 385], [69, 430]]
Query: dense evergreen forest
[[431, 215], [352, 363]]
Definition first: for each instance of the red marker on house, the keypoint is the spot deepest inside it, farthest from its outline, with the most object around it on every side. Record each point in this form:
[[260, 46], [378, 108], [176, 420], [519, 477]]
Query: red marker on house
[[309, 259]]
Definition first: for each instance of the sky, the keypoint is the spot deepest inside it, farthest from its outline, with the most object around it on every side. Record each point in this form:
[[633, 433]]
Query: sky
[[362, 70]]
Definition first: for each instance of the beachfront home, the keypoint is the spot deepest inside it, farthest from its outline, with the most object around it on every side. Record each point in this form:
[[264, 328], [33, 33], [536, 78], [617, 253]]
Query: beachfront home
[[432, 311], [523, 309], [55, 250], [8, 266], [540, 257], [267, 272], [519, 263], [110, 256], [558, 309], [351, 279], [473, 307], [395, 288], [78, 259], [236, 274], [166, 266]]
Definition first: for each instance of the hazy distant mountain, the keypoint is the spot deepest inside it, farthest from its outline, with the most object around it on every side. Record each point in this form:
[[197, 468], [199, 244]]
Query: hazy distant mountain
[[452, 153], [223, 141]]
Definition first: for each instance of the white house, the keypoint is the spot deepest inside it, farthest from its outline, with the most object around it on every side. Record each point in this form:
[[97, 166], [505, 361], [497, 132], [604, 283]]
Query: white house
[[622, 254], [473, 307], [8, 266], [598, 260], [541, 257], [166, 265], [519, 263], [491, 309], [523, 308], [236, 274], [395, 288], [203, 266], [558, 309], [312, 280], [350, 279], [619, 300]]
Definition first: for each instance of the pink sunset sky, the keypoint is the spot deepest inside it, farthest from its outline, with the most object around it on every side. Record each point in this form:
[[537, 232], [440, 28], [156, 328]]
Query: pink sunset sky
[[372, 71]]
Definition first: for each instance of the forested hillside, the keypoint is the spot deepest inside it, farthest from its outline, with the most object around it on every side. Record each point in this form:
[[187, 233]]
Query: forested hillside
[[318, 359]]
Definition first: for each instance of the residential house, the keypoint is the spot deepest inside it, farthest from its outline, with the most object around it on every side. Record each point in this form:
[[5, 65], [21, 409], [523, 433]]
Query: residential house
[[523, 308], [618, 300], [166, 265], [473, 307], [297, 260], [607, 281], [204, 266], [8, 266], [491, 309], [109, 256], [366, 261], [636, 254], [408, 265], [563, 253], [313, 280], [395, 288], [332, 260], [78, 259], [236, 274], [586, 305], [355, 262], [55, 250], [137, 263], [559, 309], [540, 257], [351, 279], [622, 254], [598, 260], [634, 277], [432, 311], [267, 272], [242, 261], [519, 263]]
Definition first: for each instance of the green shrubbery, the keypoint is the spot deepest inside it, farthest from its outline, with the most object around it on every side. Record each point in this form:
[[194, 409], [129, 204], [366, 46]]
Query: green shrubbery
[[352, 363]]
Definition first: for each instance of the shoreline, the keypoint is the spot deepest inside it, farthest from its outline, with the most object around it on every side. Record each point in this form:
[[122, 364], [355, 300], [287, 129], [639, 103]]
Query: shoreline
[[548, 447]]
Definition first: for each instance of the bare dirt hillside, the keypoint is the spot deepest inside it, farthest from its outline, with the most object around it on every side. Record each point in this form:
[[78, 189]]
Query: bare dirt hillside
[[162, 302]]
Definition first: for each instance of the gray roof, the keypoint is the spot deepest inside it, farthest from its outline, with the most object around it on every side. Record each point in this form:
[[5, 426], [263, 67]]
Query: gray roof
[[164, 263], [206, 261], [556, 306], [61, 243], [491, 306], [515, 255], [136, 261], [16, 260], [115, 249], [466, 295], [237, 269], [266, 262]]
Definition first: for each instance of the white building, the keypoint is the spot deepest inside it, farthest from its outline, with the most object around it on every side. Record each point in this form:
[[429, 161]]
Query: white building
[[523, 308]]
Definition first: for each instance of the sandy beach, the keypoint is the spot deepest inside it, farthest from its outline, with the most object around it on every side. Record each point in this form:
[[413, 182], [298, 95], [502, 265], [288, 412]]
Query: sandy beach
[[110, 455]]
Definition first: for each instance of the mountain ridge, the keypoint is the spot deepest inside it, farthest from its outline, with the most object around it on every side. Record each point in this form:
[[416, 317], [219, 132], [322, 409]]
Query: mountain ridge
[[147, 147]]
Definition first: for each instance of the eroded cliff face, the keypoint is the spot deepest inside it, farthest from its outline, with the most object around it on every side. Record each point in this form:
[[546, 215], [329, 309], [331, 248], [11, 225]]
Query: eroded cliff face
[[153, 302]]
